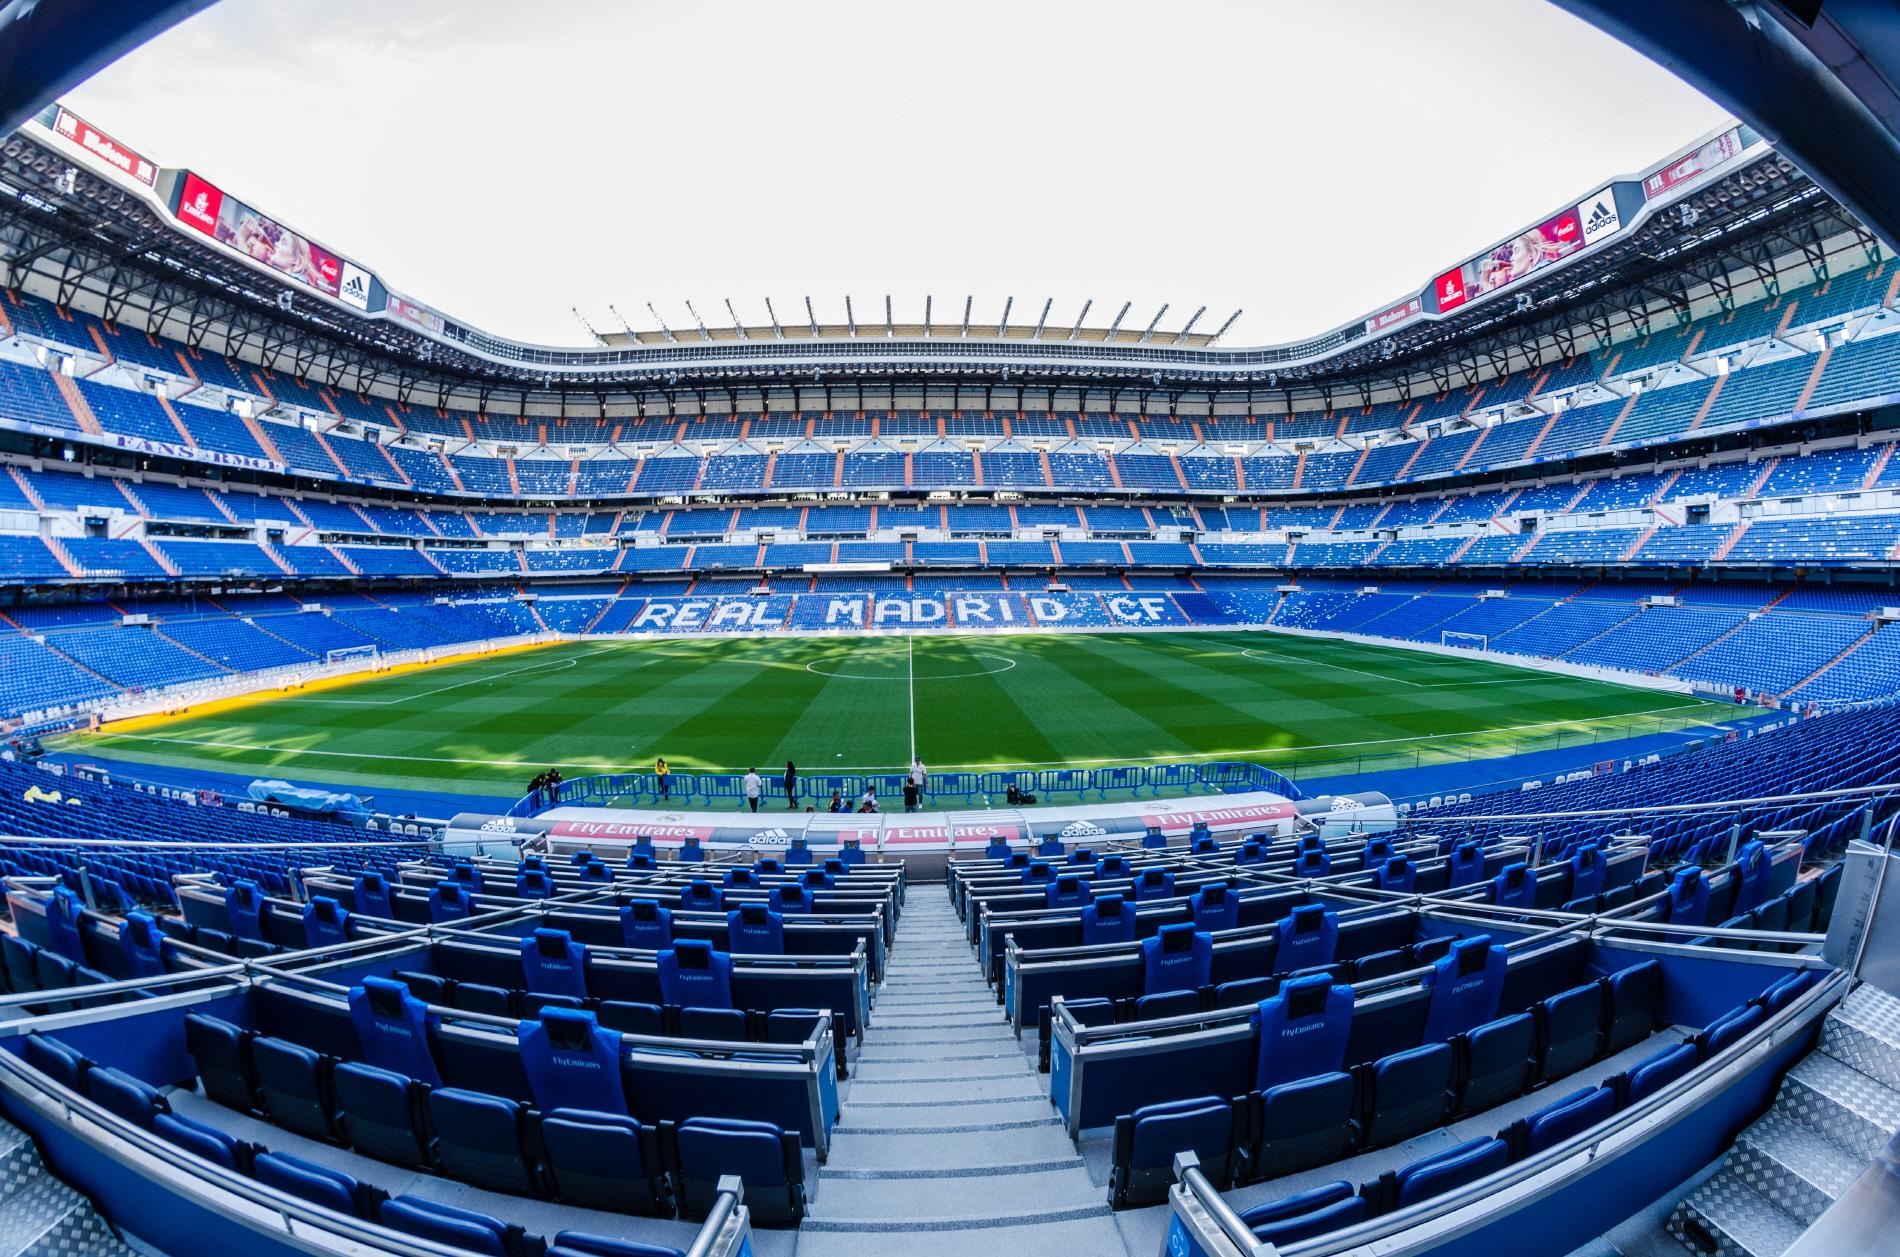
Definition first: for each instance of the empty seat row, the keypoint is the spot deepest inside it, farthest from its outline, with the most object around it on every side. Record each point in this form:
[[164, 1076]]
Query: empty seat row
[[1283, 1127], [584, 1157], [1336, 1205], [146, 1107]]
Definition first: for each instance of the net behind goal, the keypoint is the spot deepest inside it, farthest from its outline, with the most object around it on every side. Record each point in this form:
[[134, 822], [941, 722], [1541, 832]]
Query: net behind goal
[[1467, 641], [345, 654]]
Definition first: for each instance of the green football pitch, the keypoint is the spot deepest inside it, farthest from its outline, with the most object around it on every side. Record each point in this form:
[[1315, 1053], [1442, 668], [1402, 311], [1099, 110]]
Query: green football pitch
[[1312, 707]]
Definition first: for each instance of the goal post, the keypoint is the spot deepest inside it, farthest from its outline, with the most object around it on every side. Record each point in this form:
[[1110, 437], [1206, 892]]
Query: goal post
[[352, 654], [1465, 641]]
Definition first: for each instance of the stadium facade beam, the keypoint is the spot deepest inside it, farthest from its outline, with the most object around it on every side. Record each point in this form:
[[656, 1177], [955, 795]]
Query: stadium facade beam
[[1823, 94]]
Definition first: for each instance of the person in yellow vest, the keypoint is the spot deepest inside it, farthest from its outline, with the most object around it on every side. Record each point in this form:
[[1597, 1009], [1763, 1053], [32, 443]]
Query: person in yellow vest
[[663, 775]]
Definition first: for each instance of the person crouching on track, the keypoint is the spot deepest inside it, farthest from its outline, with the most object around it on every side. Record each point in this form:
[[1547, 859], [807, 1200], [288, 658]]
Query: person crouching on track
[[754, 784]]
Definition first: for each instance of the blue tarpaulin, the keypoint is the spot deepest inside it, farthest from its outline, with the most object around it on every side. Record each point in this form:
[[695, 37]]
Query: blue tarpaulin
[[302, 799]]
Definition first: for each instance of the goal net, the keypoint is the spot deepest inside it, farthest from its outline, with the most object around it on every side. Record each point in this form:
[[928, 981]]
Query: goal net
[[1468, 641], [344, 654]]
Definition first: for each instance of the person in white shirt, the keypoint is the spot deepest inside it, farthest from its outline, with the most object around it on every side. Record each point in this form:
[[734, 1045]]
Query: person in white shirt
[[754, 785], [918, 776]]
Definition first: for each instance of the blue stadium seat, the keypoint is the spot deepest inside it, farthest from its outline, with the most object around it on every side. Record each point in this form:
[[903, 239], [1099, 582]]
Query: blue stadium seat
[[1308, 938], [767, 1158], [478, 1139], [1303, 1030], [1146, 1142], [1407, 1093], [377, 1113], [1215, 907], [1108, 920], [1633, 998], [1454, 1167], [118, 1092], [604, 1161], [1298, 1125], [460, 1229], [293, 1086], [306, 1180], [222, 1053], [1499, 1061], [1306, 1214], [1177, 958], [581, 1244], [214, 1145], [1658, 1070], [1571, 1115], [1727, 1029], [1569, 1026], [57, 1060]]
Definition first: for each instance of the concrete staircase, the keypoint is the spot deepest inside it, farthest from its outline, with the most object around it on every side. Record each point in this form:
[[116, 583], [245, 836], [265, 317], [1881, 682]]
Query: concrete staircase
[[41, 1216], [947, 1145], [1836, 1109]]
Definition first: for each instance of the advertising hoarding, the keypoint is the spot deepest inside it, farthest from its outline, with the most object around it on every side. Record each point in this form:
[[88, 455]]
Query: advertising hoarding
[[71, 126], [1724, 147], [215, 213]]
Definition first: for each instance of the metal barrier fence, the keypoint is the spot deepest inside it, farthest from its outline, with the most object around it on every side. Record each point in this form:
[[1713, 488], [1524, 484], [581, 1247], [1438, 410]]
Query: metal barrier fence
[[974, 788]]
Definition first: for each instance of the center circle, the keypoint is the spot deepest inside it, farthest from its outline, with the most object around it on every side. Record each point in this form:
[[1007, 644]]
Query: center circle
[[1006, 662]]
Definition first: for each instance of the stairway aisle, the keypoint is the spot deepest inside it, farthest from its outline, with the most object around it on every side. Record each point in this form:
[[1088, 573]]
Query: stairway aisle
[[946, 1135], [39, 1215], [1835, 1110]]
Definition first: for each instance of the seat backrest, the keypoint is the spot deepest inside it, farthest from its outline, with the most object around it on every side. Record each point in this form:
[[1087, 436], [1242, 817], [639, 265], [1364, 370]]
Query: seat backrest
[[1216, 907], [118, 1092], [1561, 1119], [318, 1184], [1515, 886], [554, 964], [1689, 898], [645, 924], [1108, 920], [709, 1147], [1308, 938], [1454, 1167], [392, 1029], [691, 972], [1303, 1030], [572, 1062], [445, 1224], [1178, 958], [1466, 985], [1658, 1070], [753, 929]]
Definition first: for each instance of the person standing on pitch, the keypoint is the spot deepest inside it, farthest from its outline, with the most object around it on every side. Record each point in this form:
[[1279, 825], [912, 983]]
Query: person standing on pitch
[[663, 775], [918, 777], [791, 786], [753, 785]]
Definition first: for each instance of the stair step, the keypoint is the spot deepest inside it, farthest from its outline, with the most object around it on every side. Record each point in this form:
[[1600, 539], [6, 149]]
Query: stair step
[[1024, 1194], [1725, 1217], [1792, 1166], [41, 1216], [1841, 1104], [1093, 1232], [1864, 1032]]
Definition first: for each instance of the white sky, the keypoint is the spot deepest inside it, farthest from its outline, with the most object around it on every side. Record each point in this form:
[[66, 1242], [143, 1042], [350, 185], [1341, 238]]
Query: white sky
[[505, 161]]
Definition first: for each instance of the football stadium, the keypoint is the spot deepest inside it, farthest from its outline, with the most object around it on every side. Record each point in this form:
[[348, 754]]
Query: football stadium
[[1424, 786]]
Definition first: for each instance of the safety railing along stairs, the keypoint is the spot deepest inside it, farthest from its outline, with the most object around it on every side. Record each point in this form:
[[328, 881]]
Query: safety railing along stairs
[[1836, 1109], [40, 1216]]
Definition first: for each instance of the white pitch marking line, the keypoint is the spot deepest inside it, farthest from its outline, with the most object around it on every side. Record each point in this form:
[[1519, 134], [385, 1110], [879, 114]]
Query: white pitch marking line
[[1052, 763], [553, 665]]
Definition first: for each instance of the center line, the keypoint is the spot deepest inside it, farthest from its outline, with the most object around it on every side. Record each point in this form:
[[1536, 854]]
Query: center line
[[911, 657]]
